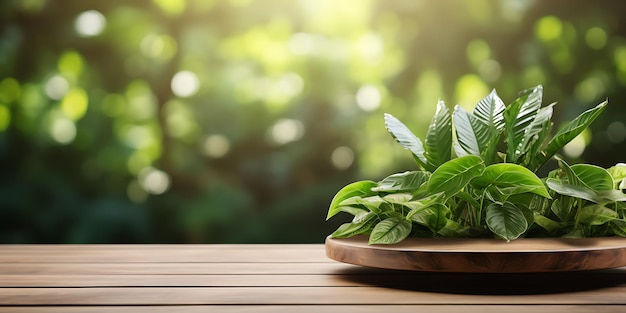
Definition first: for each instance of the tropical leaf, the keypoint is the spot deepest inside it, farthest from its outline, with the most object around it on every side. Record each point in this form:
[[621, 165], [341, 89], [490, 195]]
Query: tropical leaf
[[532, 145], [570, 131], [439, 138], [488, 122], [465, 136], [489, 112], [405, 138], [596, 214], [594, 177], [518, 116], [359, 189], [407, 181], [512, 176], [452, 176], [506, 220], [391, 230]]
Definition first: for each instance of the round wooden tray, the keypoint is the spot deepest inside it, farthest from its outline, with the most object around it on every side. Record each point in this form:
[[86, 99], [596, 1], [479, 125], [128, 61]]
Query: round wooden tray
[[483, 255]]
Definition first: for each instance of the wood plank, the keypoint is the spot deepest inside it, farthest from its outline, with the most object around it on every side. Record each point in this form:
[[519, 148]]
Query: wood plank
[[177, 281], [173, 268], [161, 253], [341, 275], [325, 308], [290, 296]]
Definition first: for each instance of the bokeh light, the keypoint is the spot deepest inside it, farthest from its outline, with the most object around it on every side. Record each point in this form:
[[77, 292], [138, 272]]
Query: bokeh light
[[90, 23], [185, 84]]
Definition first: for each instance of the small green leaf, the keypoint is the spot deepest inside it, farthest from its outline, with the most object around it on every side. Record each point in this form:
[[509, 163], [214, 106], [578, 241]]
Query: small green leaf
[[353, 210], [417, 205], [618, 172], [358, 189], [507, 175], [596, 214], [434, 216], [405, 138], [618, 227], [547, 224], [570, 131], [452, 176], [439, 138], [390, 231], [407, 181], [371, 203], [506, 220], [398, 198], [360, 225]]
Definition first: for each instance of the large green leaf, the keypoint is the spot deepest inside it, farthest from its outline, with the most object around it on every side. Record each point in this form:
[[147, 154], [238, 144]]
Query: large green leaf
[[518, 116], [594, 177], [506, 220], [465, 136], [567, 189], [570, 131], [390, 231], [596, 214], [360, 189], [611, 195], [439, 138], [405, 138], [511, 176], [407, 181], [454, 175]]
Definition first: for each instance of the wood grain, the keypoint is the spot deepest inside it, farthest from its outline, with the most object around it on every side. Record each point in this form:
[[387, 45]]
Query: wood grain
[[322, 308], [288, 295], [157, 253], [483, 255]]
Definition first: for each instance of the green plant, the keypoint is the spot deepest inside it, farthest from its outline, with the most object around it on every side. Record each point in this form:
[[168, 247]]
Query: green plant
[[480, 191]]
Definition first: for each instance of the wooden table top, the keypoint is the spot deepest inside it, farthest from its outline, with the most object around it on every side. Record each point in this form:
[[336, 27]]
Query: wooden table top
[[274, 278]]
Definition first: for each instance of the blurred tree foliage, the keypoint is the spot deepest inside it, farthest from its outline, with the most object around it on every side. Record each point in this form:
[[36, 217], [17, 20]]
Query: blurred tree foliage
[[236, 121]]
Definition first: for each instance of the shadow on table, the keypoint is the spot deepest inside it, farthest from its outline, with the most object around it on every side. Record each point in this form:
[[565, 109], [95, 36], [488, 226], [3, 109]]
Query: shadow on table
[[487, 284]]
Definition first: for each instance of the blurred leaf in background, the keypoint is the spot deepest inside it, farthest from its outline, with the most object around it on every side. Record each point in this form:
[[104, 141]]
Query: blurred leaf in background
[[236, 121]]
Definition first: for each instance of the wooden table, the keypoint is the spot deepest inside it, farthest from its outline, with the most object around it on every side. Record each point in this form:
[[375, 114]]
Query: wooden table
[[273, 278]]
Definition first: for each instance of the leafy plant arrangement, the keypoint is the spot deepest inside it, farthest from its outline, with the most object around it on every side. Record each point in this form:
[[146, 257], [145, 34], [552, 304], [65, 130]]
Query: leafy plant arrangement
[[481, 192]]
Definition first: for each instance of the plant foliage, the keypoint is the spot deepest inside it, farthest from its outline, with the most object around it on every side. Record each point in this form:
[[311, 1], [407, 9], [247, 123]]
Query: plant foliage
[[480, 191]]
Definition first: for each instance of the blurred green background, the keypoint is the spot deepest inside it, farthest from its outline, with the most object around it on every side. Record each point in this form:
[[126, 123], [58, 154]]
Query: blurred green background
[[236, 121]]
